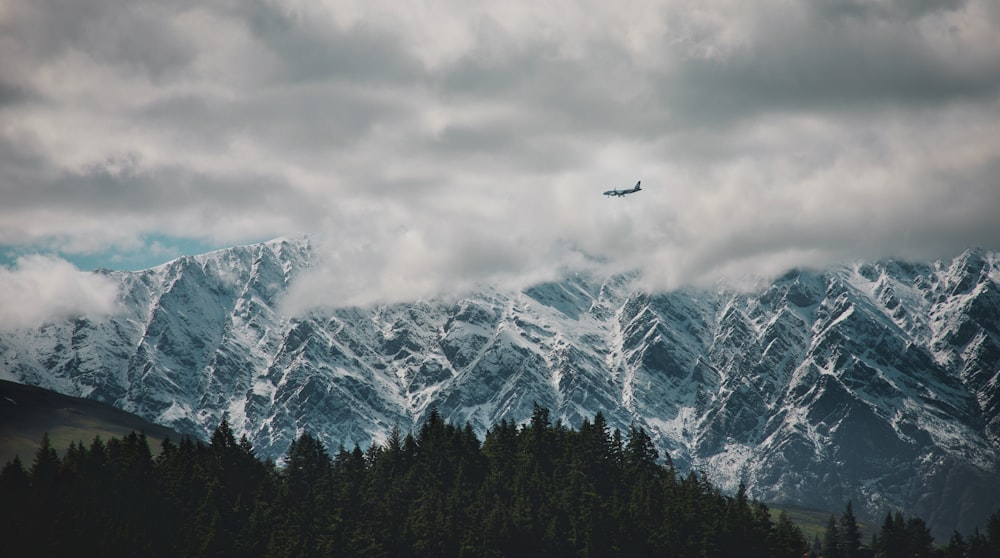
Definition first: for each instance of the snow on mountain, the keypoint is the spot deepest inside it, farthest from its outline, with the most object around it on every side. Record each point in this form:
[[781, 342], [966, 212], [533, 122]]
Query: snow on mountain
[[874, 382]]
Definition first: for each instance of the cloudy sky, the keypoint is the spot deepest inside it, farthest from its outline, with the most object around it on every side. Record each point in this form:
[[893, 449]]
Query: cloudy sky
[[433, 145]]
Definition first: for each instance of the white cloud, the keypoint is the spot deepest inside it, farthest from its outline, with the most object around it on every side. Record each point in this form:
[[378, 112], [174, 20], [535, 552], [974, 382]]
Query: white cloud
[[446, 144], [41, 289]]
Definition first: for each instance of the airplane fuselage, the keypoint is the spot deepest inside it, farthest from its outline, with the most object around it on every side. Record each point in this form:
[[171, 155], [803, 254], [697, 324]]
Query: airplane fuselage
[[622, 193]]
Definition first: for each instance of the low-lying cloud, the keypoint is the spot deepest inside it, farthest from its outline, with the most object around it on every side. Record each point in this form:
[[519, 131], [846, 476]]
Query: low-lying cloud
[[42, 289]]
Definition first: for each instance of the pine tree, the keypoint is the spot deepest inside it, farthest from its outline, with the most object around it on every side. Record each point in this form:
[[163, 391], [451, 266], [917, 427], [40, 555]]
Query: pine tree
[[850, 534], [15, 500], [956, 546], [993, 533], [539, 490], [640, 455], [831, 540], [14, 480], [45, 467], [891, 541], [304, 502], [816, 549], [979, 546], [920, 543], [787, 540]]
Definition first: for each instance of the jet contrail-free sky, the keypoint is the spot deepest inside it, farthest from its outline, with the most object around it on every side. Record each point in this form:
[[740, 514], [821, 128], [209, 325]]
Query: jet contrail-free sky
[[435, 145]]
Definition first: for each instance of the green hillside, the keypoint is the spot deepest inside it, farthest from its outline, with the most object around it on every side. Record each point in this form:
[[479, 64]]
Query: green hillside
[[27, 412], [813, 522]]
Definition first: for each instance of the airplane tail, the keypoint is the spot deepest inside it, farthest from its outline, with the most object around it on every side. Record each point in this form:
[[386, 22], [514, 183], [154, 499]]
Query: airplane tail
[[637, 188]]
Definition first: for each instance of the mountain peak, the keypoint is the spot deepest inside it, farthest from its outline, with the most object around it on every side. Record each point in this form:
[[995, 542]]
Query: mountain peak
[[817, 388]]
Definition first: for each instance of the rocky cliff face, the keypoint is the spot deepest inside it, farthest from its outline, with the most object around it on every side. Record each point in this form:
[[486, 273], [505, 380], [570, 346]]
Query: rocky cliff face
[[875, 382]]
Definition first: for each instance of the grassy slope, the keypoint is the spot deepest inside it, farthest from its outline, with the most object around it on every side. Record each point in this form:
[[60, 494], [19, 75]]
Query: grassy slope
[[813, 522], [26, 413]]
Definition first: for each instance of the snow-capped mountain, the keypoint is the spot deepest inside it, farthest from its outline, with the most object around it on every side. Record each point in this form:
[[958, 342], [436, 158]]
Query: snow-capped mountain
[[876, 383]]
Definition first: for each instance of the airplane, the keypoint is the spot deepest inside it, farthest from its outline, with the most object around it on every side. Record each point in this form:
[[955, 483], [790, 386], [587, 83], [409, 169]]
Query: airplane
[[621, 193]]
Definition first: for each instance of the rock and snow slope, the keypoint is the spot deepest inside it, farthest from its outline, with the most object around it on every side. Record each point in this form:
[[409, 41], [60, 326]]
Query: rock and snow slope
[[871, 382]]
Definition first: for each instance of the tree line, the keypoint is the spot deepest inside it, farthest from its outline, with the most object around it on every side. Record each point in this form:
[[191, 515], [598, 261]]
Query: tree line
[[902, 537], [539, 489]]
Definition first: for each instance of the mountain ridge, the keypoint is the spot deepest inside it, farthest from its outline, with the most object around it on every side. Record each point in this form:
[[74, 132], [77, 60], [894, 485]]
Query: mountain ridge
[[872, 382]]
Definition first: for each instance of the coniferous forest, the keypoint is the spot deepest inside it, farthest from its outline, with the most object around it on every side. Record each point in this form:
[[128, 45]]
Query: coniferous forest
[[540, 489]]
